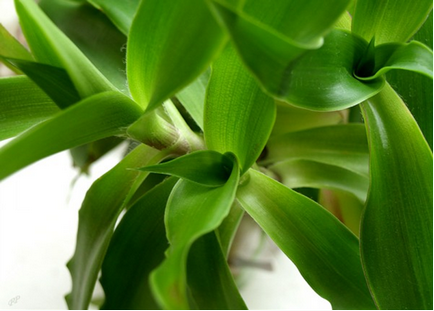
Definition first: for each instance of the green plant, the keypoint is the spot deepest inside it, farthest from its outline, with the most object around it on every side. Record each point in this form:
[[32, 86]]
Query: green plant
[[278, 110]]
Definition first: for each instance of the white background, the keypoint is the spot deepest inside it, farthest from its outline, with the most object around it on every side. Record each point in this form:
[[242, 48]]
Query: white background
[[38, 223]]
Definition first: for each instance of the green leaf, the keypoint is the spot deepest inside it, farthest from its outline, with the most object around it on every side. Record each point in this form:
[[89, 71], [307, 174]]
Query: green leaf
[[97, 217], [305, 173], [291, 119], [22, 105], [389, 21], [53, 80], [206, 167], [238, 115], [50, 46], [209, 278], [193, 97], [396, 231], [136, 248], [325, 252], [413, 56], [340, 145], [174, 51], [227, 230], [417, 90], [96, 37], [189, 202], [99, 116], [10, 47], [121, 13]]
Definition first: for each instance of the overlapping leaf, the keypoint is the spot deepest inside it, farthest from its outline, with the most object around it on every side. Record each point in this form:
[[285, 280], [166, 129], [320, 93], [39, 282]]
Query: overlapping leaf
[[325, 252], [340, 145], [238, 115], [100, 209], [175, 50], [389, 21], [137, 247], [50, 46], [10, 47], [22, 105], [396, 231], [189, 202], [99, 116]]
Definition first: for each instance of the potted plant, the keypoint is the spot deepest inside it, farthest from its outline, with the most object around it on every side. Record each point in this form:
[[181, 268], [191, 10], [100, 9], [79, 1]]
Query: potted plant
[[291, 112]]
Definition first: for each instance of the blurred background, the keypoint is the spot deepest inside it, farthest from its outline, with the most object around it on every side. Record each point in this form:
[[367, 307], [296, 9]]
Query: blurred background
[[38, 222]]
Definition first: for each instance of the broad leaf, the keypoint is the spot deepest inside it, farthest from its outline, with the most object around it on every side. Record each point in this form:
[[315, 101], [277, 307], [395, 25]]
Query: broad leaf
[[209, 279], [50, 46], [121, 13], [174, 50], [340, 145], [417, 90], [23, 104], [208, 168], [389, 21], [98, 214], [10, 47], [96, 37], [325, 252], [238, 115], [188, 203], [311, 174], [193, 97], [396, 231], [99, 116], [53, 80], [136, 248]]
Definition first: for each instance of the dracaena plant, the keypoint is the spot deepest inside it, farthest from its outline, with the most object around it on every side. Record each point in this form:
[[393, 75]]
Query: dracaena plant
[[234, 108]]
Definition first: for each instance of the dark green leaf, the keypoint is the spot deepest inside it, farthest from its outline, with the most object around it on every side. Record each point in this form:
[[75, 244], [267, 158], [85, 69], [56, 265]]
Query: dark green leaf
[[417, 90], [206, 167], [181, 39], [305, 173], [136, 248], [396, 231], [50, 46], [209, 278], [99, 116], [238, 115], [96, 37], [340, 145], [325, 252], [188, 203], [389, 21], [98, 214], [23, 104]]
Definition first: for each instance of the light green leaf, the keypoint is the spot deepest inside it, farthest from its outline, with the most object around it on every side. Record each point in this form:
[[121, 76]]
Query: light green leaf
[[136, 248], [22, 105], [340, 145], [389, 21], [121, 13], [10, 47], [227, 230], [98, 214], [206, 167], [189, 202], [50, 46], [311, 174], [99, 116], [325, 252], [174, 51], [238, 115], [415, 89], [396, 231], [209, 278], [193, 97], [291, 119], [413, 56], [53, 80], [97, 37]]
